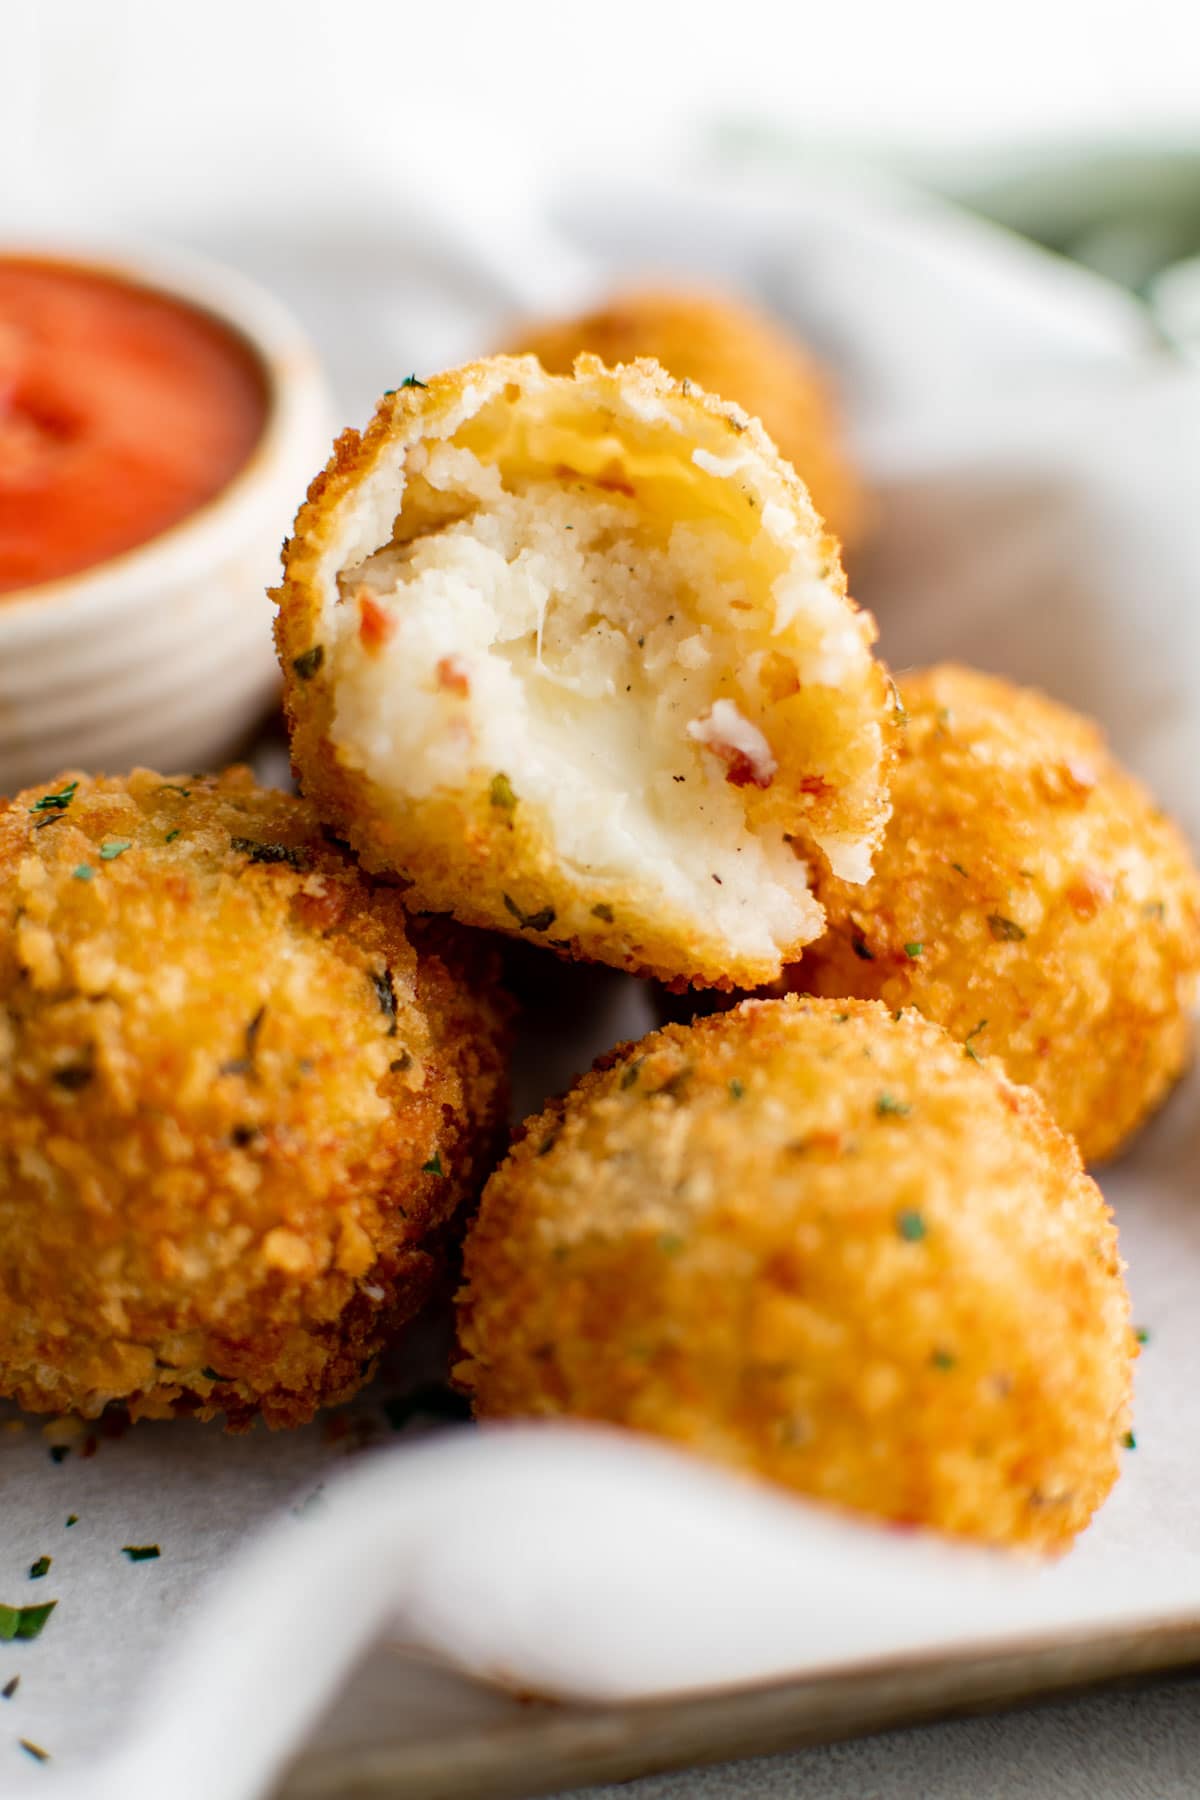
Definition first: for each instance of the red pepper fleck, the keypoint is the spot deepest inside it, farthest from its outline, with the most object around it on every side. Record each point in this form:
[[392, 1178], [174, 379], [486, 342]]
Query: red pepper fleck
[[374, 626]]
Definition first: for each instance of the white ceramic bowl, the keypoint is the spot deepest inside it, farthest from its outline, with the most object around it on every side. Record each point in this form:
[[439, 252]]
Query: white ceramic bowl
[[164, 655]]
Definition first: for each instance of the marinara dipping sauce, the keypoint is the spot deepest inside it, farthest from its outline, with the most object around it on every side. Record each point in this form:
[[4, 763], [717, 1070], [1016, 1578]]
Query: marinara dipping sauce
[[122, 410]]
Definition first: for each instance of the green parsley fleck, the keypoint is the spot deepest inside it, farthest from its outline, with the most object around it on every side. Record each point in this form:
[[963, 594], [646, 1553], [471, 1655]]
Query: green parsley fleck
[[1141, 1334], [84, 872], [501, 792], [270, 853], [942, 1359], [141, 1552], [736, 1089], [968, 1047], [911, 1226], [410, 381], [55, 802], [630, 1074], [434, 1165], [34, 1750], [602, 910], [888, 1107], [841, 1018], [1005, 931], [10, 1687], [244, 1065], [385, 993], [173, 787], [115, 847], [24, 1622], [538, 921], [914, 951], [307, 664], [72, 1519], [58, 1454], [39, 1568], [1129, 1442], [171, 836], [958, 869]]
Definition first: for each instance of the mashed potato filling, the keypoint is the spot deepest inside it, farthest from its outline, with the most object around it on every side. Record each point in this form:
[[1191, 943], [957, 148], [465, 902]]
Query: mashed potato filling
[[621, 638]]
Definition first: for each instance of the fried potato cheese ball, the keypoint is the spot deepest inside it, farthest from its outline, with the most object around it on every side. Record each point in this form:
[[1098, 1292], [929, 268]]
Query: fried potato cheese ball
[[239, 1096], [1030, 898], [730, 349], [573, 656], [822, 1245]]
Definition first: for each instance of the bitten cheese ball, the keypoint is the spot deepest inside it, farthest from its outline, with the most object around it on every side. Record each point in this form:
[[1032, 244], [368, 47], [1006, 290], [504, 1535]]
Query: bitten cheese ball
[[572, 656], [819, 1244], [730, 349], [240, 1098], [1032, 899]]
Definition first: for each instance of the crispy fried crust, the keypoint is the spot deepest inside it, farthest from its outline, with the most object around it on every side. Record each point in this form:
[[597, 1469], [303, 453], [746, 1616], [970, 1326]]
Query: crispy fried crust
[[226, 1065], [458, 851], [731, 349], [1031, 896], [823, 1245]]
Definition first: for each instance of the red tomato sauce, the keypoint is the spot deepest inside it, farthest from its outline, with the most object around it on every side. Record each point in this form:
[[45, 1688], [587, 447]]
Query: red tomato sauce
[[122, 410]]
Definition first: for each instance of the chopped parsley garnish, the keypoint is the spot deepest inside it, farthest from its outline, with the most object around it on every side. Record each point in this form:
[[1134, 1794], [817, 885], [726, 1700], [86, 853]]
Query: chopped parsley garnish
[[291, 854], [410, 381], [307, 664], [858, 944], [59, 1452], [55, 802], [736, 1089], [914, 951], [968, 1046], [39, 1568], [10, 1688], [538, 921], [942, 1359], [1141, 1334], [1129, 1442], [244, 1065], [84, 872], [24, 1622], [888, 1107], [911, 1226], [141, 1552], [34, 1750], [548, 1142], [1005, 931], [171, 836], [385, 993], [434, 1165], [72, 1519], [172, 787], [501, 792], [630, 1074], [603, 911], [115, 847], [958, 869]]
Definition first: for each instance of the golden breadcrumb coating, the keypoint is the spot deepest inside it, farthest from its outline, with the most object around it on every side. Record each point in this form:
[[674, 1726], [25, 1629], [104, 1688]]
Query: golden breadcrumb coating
[[732, 349], [239, 1097], [819, 1243], [573, 657], [1030, 897]]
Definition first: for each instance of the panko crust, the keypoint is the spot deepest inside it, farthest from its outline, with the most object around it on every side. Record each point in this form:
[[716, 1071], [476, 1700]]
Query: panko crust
[[227, 1064], [818, 1243], [1029, 896], [732, 349], [491, 867]]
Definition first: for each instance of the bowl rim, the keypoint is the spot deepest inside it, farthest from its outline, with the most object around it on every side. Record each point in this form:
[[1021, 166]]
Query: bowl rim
[[297, 402]]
